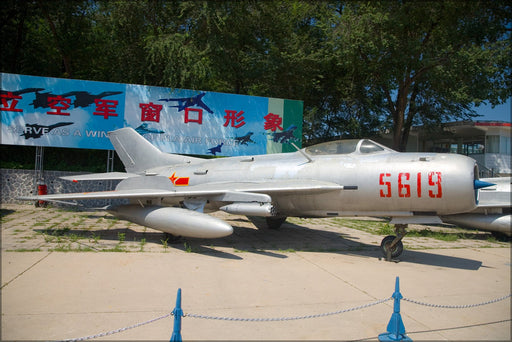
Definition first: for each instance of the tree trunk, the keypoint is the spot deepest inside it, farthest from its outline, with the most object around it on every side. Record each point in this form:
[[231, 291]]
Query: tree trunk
[[65, 58]]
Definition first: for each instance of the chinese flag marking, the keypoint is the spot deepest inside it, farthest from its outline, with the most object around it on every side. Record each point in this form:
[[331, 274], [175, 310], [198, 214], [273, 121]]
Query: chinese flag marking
[[179, 181]]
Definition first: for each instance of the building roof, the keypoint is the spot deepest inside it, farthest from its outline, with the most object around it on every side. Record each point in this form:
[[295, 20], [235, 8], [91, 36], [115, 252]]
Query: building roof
[[468, 128]]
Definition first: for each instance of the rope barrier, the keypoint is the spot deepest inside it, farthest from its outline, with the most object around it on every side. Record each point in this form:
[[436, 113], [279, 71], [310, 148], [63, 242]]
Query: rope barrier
[[117, 330], [457, 306], [282, 319]]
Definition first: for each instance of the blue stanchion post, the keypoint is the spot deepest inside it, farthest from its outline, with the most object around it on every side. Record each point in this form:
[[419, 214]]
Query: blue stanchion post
[[396, 328], [177, 313]]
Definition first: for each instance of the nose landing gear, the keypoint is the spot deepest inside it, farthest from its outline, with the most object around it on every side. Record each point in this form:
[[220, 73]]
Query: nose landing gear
[[392, 246]]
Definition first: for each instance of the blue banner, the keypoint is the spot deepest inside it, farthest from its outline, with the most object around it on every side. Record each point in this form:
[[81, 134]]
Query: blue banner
[[45, 111]]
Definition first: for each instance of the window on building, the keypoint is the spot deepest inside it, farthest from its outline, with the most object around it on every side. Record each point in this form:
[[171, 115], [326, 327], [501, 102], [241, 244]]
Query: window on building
[[493, 143], [454, 148], [475, 147], [505, 145], [442, 147]]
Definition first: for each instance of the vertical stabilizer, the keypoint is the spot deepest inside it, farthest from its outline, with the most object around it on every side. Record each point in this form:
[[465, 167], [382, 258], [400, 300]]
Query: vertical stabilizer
[[138, 154]]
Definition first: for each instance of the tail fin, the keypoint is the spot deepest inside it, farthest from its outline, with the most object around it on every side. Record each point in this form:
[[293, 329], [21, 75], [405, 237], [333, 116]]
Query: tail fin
[[138, 154]]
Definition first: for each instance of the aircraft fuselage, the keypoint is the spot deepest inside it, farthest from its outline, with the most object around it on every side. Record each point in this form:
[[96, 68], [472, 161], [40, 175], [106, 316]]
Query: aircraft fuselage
[[384, 183]]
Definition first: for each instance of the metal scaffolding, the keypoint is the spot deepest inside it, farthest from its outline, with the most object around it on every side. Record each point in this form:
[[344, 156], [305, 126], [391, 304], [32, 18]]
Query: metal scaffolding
[[38, 174]]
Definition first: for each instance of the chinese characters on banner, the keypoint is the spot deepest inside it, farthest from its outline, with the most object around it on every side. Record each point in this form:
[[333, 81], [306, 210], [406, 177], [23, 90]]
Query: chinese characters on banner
[[150, 111], [9, 101], [55, 112]]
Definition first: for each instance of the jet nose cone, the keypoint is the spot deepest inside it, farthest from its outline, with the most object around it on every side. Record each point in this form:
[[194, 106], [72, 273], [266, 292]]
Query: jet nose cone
[[478, 184]]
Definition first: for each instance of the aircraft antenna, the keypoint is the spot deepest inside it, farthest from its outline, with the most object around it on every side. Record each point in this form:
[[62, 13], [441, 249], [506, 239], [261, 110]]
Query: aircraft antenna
[[303, 153]]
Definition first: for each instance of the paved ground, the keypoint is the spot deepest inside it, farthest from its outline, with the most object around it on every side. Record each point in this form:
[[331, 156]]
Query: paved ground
[[71, 274]]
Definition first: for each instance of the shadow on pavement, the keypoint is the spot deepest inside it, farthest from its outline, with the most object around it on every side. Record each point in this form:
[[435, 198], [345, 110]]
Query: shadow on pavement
[[272, 243]]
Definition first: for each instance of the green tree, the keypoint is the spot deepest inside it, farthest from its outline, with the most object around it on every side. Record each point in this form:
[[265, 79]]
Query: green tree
[[47, 38], [359, 67], [425, 62]]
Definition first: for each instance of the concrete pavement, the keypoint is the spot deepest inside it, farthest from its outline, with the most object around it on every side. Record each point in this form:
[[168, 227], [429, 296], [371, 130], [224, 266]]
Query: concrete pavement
[[53, 295]]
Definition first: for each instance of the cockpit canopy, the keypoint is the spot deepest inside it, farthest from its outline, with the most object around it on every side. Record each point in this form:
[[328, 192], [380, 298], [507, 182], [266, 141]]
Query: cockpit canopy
[[361, 146]]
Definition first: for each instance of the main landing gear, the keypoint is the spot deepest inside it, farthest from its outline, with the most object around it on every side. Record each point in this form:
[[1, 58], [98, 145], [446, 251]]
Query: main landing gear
[[392, 246]]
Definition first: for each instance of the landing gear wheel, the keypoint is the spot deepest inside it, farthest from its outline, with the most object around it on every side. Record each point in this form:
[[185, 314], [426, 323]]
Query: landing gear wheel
[[275, 222], [397, 249]]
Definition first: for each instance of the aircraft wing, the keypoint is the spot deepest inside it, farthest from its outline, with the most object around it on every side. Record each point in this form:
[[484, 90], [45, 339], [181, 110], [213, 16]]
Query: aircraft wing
[[115, 194], [99, 176], [497, 195], [225, 191], [493, 209], [269, 187]]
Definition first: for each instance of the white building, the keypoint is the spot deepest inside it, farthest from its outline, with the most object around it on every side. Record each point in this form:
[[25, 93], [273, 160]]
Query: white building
[[488, 142]]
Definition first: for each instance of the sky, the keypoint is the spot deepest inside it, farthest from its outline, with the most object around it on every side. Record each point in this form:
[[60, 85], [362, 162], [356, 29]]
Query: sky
[[498, 113]]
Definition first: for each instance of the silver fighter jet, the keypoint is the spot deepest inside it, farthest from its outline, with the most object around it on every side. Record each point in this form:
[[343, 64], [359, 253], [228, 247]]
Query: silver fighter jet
[[174, 193]]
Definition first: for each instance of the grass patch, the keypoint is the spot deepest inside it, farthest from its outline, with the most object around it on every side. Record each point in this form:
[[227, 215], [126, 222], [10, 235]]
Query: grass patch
[[118, 248], [68, 248], [23, 250], [165, 243], [94, 238], [121, 237], [368, 226], [384, 228], [442, 236], [113, 222], [288, 250], [142, 243], [188, 247], [3, 216]]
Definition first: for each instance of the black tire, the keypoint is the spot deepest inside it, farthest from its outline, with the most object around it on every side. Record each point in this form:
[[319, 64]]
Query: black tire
[[397, 249], [275, 222]]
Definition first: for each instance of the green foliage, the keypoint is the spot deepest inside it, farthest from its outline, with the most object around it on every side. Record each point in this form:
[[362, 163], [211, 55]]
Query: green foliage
[[425, 62], [385, 229], [359, 67], [165, 243], [188, 247], [121, 237]]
